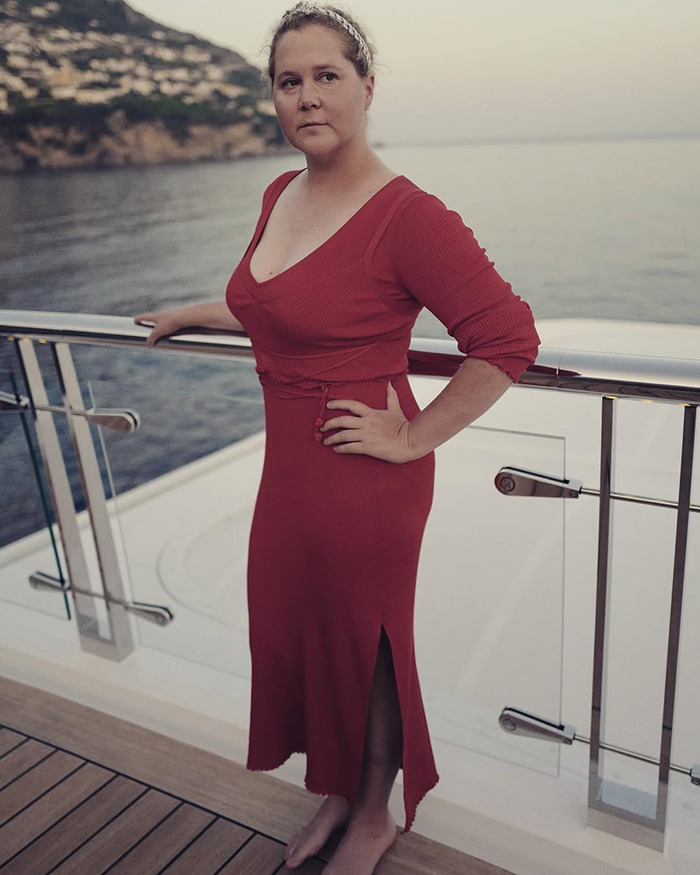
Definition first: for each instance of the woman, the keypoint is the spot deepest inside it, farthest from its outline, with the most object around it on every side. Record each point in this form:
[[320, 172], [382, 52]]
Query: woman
[[345, 254]]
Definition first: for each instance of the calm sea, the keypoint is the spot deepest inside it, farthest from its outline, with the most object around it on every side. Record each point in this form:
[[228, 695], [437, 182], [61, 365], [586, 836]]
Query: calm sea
[[605, 229]]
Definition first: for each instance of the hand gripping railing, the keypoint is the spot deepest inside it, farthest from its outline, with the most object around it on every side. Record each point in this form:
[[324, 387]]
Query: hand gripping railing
[[607, 375]]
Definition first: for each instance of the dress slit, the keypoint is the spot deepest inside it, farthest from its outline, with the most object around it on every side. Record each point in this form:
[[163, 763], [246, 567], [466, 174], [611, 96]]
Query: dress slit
[[383, 632]]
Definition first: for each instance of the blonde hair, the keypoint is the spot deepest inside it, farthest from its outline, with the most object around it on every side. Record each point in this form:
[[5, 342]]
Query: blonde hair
[[358, 50]]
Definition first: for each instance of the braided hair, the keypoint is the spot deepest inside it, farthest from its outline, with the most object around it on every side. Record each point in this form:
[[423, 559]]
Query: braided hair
[[358, 50]]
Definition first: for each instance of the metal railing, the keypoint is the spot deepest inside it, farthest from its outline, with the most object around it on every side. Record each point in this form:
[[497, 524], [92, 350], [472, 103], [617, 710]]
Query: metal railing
[[640, 817], [651, 377]]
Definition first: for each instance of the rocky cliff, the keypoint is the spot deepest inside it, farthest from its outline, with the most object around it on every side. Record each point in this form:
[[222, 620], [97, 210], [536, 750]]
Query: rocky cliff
[[95, 83]]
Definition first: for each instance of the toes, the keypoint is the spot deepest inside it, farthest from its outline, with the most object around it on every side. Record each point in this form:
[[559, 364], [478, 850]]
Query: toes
[[293, 854], [293, 862], [291, 848]]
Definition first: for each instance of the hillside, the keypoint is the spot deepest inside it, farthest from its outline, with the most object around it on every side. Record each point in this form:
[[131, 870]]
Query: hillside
[[95, 83]]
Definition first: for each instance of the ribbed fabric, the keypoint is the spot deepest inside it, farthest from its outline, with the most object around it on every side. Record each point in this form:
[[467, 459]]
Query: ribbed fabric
[[428, 257], [366, 285], [335, 539]]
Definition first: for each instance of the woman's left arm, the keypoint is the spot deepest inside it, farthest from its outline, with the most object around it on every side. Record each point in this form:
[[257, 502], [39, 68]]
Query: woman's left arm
[[475, 387], [388, 434], [430, 254]]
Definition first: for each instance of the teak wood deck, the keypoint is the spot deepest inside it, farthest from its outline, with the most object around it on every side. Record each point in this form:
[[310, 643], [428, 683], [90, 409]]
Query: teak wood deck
[[83, 793]]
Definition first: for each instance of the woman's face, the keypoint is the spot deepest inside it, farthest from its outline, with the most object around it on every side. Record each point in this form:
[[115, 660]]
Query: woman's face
[[318, 95]]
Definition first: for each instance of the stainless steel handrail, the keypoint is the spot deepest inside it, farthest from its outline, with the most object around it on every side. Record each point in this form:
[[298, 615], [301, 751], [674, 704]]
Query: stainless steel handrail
[[600, 373]]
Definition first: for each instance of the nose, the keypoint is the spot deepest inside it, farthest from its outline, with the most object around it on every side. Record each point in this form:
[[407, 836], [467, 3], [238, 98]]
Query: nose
[[308, 97]]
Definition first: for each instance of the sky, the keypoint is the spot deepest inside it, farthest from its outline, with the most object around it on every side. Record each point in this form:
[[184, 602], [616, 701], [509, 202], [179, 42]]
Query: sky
[[500, 69]]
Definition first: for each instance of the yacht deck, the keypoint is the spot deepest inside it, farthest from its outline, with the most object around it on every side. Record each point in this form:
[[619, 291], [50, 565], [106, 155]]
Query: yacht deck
[[83, 791]]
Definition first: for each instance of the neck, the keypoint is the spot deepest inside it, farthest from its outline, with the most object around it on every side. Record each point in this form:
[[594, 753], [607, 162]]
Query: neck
[[341, 171]]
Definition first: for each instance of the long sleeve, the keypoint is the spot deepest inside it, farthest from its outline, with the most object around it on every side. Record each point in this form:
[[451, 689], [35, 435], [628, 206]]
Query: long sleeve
[[438, 261]]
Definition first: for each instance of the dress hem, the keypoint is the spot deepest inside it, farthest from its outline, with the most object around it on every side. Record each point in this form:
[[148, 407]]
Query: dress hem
[[408, 823]]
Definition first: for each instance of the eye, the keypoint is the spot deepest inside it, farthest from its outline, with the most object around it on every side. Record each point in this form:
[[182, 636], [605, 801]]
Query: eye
[[329, 77], [287, 83]]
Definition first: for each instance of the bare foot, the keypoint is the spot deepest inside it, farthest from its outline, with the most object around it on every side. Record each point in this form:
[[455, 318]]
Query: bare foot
[[363, 845], [334, 812]]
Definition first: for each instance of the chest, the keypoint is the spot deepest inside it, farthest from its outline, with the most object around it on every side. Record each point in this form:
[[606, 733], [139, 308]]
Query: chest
[[293, 231]]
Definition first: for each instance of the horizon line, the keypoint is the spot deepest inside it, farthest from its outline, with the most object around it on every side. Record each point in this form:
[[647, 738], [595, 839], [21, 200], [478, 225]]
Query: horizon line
[[551, 138]]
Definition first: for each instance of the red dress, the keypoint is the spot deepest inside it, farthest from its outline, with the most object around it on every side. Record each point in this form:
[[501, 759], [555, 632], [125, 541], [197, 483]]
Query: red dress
[[335, 538]]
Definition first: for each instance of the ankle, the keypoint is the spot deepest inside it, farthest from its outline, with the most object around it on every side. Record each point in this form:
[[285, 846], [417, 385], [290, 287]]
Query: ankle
[[371, 818], [336, 803]]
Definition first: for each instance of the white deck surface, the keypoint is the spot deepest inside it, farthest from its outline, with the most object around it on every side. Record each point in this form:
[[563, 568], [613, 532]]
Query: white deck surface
[[504, 616]]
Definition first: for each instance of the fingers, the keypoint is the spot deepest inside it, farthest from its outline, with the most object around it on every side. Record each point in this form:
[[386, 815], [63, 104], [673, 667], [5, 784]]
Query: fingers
[[353, 406], [145, 317], [351, 448], [149, 317], [154, 336], [160, 326], [360, 409], [341, 422], [343, 437]]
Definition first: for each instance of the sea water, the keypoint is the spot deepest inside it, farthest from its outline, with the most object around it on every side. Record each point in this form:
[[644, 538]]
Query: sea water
[[594, 228]]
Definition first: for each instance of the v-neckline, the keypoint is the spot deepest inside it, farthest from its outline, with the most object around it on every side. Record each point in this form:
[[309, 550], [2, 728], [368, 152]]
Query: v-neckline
[[261, 231]]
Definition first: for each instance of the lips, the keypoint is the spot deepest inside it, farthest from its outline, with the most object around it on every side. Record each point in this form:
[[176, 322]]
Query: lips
[[312, 125]]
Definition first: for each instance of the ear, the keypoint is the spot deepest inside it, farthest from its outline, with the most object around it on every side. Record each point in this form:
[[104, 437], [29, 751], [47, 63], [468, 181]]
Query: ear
[[369, 91]]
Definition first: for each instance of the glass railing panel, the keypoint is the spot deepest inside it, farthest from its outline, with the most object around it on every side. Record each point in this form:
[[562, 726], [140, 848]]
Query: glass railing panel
[[641, 572], [29, 541], [646, 463], [648, 448], [490, 594], [181, 493]]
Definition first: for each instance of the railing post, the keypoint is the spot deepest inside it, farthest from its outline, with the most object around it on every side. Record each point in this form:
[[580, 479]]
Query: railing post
[[59, 488], [119, 643]]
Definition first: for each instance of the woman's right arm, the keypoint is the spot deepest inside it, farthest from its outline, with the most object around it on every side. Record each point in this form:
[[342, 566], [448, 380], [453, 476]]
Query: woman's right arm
[[213, 314]]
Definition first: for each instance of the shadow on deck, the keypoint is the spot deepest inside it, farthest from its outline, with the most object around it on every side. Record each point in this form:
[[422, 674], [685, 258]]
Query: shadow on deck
[[84, 792]]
